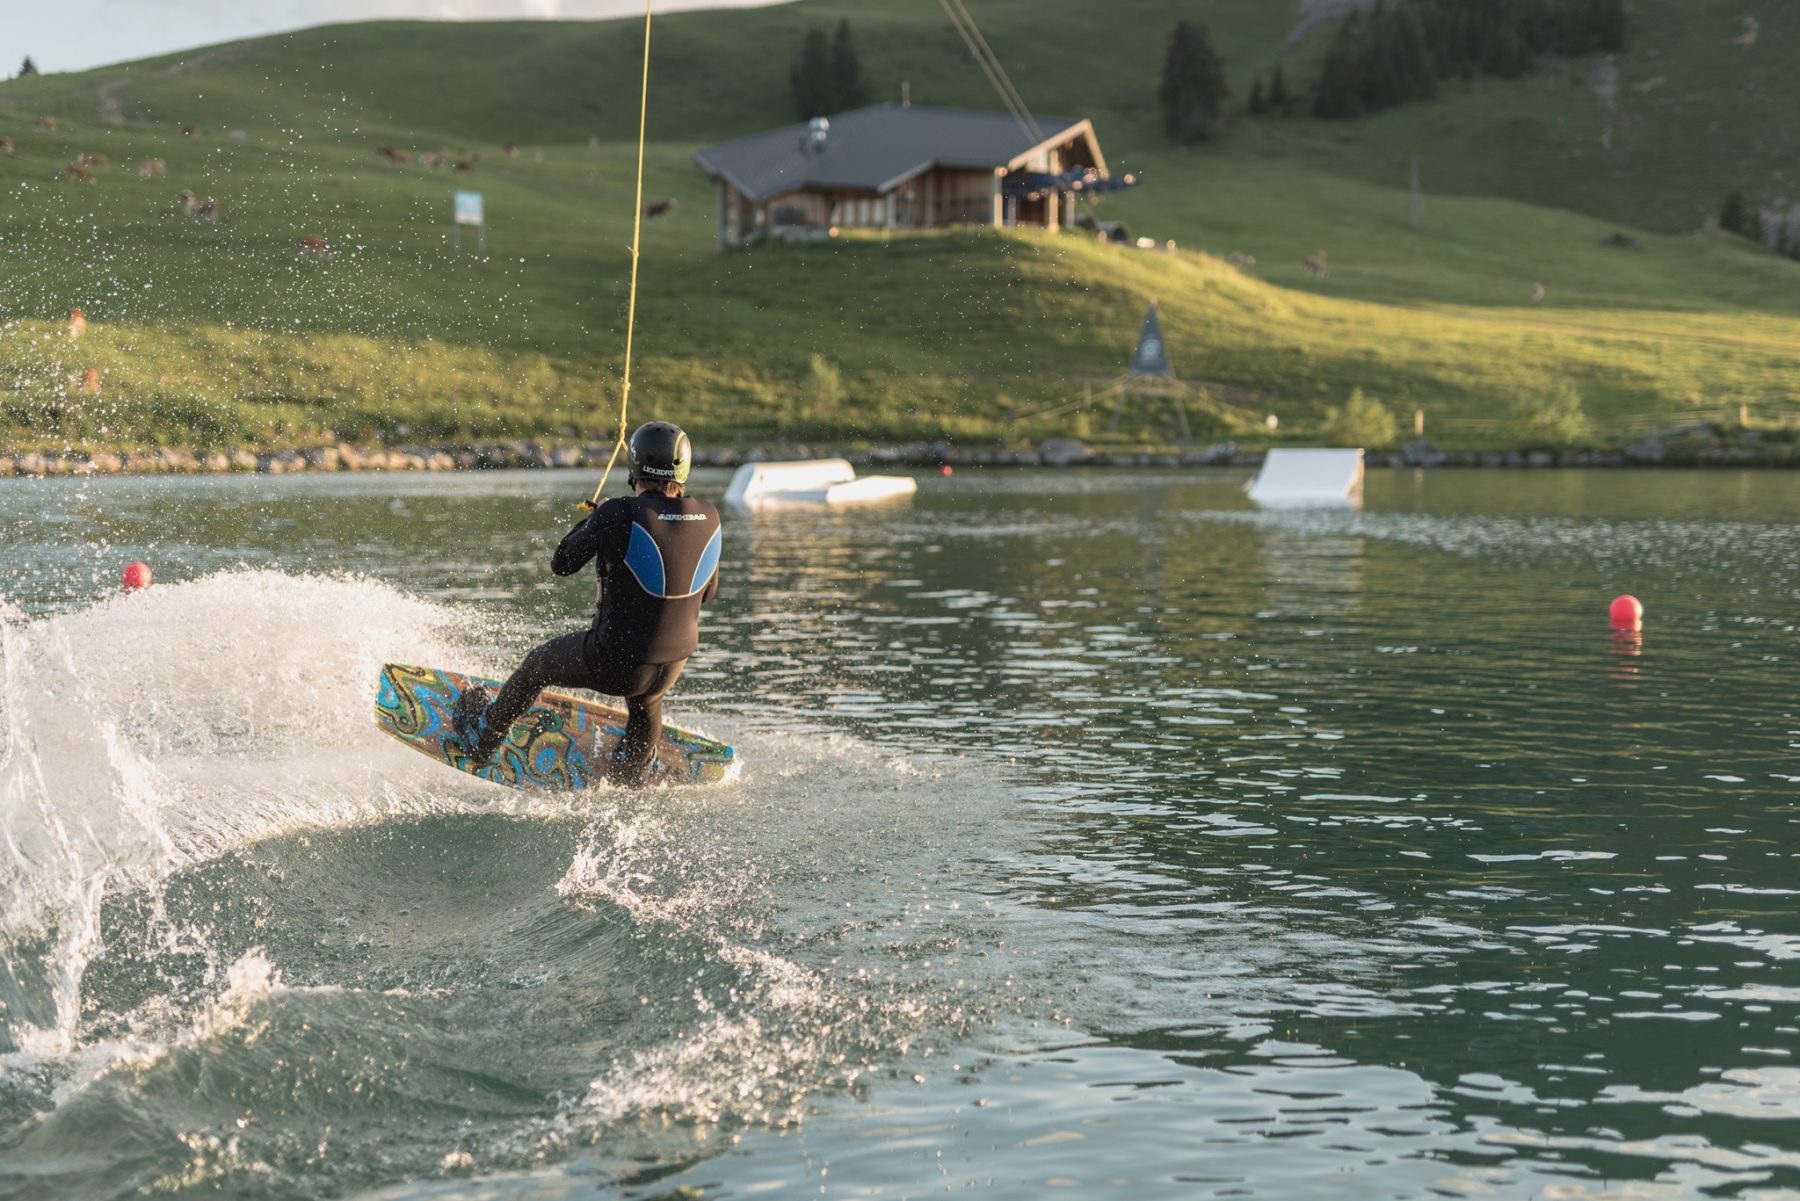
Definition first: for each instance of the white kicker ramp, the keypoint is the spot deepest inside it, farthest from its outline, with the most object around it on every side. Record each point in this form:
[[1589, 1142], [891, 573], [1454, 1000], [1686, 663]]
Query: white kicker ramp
[[813, 481], [1298, 478]]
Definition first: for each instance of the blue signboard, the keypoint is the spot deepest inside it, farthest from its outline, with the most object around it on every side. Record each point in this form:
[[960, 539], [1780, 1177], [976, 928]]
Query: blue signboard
[[1152, 356], [468, 208]]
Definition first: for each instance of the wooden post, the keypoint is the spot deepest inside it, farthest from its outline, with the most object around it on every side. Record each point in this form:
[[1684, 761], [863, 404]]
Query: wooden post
[[1418, 423], [1743, 415]]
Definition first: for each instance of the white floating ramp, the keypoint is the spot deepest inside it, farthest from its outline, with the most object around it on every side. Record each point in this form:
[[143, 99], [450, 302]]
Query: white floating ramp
[[1309, 478], [813, 481]]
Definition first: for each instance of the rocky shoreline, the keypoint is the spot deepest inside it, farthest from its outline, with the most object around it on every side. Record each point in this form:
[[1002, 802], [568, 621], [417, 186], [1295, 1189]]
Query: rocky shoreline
[[1692, 447]]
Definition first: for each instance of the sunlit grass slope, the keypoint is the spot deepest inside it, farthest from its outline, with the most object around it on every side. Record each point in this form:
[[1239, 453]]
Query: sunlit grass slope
[[229, 331]]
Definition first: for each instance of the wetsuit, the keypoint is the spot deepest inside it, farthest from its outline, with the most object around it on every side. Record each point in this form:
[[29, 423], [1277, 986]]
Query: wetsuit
[[657, 558]]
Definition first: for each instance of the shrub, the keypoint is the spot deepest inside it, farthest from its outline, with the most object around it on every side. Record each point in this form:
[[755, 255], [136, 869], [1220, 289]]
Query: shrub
[[1553, 420], [1361, 421], [823, 390]]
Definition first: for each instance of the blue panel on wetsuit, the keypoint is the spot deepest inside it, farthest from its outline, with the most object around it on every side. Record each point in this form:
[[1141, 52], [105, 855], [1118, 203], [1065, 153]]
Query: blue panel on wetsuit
[[709, 561], [645, 560]]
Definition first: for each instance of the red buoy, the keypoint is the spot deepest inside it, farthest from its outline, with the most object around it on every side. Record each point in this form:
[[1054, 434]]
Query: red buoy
[[137, 575], [1627, 613], [947, 470]]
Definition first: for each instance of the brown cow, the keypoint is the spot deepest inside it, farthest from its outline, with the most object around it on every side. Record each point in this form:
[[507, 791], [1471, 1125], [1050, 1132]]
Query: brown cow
[[77, 323], [190, 203], [395, 154], [152, 166], [314, 245], [188, 131], [91, 160], [512, 151], [90, 380], [463, 164], [80, 174], [6, 146], [44, 123], [208, 210], [1315, 265], [659, 207]]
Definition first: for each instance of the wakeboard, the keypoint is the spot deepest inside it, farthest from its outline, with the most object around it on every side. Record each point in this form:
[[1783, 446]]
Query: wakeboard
[[563, 742]]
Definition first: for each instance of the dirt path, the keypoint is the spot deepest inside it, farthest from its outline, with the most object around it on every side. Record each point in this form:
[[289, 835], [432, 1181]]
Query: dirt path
[[107, 109], [110, 110]]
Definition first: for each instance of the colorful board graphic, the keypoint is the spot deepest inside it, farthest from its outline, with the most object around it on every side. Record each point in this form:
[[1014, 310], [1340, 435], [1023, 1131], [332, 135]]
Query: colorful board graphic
[[562, 742]]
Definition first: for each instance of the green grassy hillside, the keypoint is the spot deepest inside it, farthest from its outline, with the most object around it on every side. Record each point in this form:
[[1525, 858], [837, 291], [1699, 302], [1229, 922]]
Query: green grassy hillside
[[1696, 112], [207, 332]]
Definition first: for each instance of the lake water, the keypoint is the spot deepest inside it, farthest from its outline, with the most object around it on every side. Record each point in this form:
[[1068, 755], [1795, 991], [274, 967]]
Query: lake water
[[1098, 836]]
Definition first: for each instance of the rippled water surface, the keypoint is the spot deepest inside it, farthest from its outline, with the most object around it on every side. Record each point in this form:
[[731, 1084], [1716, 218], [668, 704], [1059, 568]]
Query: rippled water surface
[[1099, 835]]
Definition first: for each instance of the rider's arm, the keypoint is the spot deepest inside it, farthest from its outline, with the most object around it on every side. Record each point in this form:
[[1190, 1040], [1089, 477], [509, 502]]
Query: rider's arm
[[581, 544]]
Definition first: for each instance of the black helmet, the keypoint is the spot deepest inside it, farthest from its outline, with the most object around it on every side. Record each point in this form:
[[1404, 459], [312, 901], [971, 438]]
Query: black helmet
[[660, 453]]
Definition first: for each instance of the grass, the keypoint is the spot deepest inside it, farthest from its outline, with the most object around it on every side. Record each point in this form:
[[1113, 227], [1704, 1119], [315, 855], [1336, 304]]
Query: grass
[[229, 332]]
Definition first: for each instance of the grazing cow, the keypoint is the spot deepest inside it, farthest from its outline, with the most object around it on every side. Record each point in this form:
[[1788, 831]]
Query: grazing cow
[[463, 164], [659, 207], [152, 166], [188, 131], [395, 154], [512, 151], [80, 174], [1238, 258], [208, 210], [1316, 266], [434, 161], [90, 380], [77, 324], [190, 203], [314, 245], [6, 146], [91, 160], [44, 123], [1618, 239]]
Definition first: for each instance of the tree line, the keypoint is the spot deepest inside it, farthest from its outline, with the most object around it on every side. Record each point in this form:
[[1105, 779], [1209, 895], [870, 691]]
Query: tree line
[[1394, 53], [1400, 50], [1778, 232], [826, 76]]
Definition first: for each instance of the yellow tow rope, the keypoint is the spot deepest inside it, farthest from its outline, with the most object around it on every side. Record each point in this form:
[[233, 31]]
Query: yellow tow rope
[[637, 225]]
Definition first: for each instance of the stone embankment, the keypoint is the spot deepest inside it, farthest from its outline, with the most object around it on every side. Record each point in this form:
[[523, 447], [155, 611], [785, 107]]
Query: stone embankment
[[1688, 447]]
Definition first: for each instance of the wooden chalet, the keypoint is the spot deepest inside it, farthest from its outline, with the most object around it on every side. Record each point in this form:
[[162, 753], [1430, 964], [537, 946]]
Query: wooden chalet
[[898, 166]]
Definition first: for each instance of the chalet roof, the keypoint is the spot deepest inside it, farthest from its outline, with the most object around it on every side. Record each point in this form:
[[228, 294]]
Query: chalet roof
[[877, 148]]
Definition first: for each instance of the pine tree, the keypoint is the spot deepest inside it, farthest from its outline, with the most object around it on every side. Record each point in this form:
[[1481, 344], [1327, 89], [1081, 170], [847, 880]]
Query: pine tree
[[1415, 72], [1340, 82], [1611, 28], [1503, 50], [1733, 217], [811, 77], [846, 71], [1258, 105], [1193, 85], [1279, 100], [27, 68], [1377, 72]]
